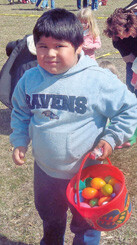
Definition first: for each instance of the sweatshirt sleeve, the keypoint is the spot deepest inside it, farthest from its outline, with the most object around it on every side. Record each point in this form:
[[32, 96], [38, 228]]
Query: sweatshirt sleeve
[[20, 117], [118, 104]]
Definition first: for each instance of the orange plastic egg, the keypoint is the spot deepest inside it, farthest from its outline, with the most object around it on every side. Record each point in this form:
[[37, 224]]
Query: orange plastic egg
[[97, 183], [89, 193], [103, 199], [112, 181]]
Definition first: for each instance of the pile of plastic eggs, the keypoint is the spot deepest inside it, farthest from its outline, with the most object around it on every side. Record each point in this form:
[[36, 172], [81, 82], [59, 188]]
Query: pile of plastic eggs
[[97, 191]]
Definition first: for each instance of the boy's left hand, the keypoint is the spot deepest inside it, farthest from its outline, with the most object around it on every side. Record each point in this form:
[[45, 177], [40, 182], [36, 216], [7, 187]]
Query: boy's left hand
[[107, 149]]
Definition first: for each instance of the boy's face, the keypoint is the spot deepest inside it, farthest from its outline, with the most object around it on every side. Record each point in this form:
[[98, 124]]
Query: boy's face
[[56, 56]]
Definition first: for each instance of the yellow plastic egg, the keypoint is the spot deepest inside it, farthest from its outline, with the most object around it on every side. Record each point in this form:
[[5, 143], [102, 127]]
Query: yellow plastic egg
[[107, 190]]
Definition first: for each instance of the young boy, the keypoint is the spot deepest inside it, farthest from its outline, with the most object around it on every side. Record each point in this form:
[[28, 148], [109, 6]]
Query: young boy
[[62, 105]]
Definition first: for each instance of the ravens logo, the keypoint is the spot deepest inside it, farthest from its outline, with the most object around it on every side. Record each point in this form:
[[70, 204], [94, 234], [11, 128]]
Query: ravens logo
[[50, 114]]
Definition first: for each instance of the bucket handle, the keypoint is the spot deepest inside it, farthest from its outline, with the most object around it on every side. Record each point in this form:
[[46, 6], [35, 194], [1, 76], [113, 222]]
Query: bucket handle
[[79, 174]]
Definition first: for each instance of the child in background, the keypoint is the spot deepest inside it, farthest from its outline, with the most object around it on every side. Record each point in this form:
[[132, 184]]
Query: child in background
[[91, 32], [109, 65], [62, 105]]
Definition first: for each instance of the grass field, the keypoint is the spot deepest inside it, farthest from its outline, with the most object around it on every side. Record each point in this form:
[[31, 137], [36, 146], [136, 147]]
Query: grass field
[[19, 221]]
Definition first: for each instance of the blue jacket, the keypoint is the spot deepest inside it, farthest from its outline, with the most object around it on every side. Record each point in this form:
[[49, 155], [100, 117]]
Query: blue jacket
[[65, 115]]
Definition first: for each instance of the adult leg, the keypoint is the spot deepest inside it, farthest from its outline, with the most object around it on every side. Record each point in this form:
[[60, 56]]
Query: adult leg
[[129, 74], [38, 3], [52, 4], [85, 3], [44, 4], [96, 4], [93, 4], [84, 234], [79, 4], [51, 203]]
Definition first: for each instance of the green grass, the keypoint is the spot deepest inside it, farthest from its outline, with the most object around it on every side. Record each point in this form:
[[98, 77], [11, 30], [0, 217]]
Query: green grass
[[19, 221]]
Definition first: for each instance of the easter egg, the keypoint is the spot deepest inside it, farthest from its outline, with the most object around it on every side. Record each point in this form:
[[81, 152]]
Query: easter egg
[[81, 185], [107, 190], [117, 187], [113, 195], [104, 203], [97, 183], [103, 199], [84, 205], [93, 202], [89, 193], [107, 178], [87, 182], [112, 181], [81, 199]]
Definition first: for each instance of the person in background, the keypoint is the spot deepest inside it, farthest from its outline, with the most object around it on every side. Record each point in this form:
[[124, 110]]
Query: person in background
[[109, 65], [121, 26], [44, 4], [132, 6], [104, 2], [62, 105], [21, 57], [33, 1], [94, 5], [91, 32], [85, 3]]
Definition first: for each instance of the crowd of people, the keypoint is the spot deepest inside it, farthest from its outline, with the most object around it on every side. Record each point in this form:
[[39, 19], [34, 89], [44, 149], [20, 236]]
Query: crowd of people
[[63, 103], [44, 3]]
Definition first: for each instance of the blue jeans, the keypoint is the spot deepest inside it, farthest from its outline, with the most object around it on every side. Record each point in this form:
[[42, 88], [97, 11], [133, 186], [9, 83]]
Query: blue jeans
[[129, 74], [45, 3], [94, 4], [85, 4], [52, 206]]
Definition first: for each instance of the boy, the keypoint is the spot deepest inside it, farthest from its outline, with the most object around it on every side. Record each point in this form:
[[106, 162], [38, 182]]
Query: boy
[[62, 105]]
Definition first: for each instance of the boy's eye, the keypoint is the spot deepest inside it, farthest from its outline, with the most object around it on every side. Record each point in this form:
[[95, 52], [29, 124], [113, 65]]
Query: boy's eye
[[42, 46], [59, 46]]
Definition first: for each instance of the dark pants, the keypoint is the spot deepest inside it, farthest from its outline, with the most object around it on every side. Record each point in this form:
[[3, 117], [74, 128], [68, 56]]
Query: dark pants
[[84, 4], [52, 206]]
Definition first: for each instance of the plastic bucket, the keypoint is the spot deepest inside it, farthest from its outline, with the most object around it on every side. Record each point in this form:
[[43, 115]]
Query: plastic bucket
[[111, 215]]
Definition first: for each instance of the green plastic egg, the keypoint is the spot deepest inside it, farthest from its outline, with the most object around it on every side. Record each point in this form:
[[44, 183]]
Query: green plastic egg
[[81, 185]]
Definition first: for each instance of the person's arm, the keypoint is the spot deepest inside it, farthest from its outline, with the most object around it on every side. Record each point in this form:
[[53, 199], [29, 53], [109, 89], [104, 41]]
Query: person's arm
[[129, 58], [91, 43], [118, 104], [124, 46], [20, 119], [18, 155]]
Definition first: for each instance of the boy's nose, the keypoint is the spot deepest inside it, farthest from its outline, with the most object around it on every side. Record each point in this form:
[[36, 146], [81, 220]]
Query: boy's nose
[[51, 52]]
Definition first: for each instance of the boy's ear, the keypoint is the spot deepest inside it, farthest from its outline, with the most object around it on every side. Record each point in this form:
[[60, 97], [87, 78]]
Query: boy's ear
[[79, 49]]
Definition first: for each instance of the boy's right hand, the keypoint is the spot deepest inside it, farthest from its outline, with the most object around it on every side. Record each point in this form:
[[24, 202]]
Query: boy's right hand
[[19, 155]]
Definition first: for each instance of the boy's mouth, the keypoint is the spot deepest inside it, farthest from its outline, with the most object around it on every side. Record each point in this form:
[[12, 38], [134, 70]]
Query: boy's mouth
[[53, 62]]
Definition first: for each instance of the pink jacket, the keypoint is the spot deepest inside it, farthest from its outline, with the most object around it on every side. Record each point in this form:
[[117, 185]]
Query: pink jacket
[[90, 45]]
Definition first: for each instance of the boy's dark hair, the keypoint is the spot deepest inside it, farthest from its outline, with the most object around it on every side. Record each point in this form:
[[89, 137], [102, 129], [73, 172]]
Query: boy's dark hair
[[59, 24]]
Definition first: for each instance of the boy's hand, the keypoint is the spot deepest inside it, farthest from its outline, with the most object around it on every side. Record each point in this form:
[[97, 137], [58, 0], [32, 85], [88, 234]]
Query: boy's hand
[[107, 149], [19, 154]]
